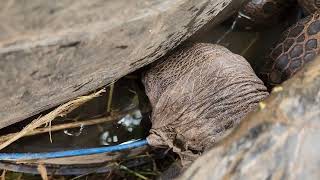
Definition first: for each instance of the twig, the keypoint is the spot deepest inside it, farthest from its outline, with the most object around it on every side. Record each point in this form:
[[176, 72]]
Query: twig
[[50, 132], [154, 173], [59, 111], [228, 31], [3, 175], [252, 42], [133, 172], [59, 127], [93, 171], [20, 176], [110, 97], [66, 126], [43, 172]]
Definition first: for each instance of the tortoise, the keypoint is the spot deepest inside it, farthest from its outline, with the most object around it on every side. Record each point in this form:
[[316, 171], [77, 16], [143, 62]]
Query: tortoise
[[297, 46], [63, 63], [262, 13], [198, 93], [309, 6], [54, 51]]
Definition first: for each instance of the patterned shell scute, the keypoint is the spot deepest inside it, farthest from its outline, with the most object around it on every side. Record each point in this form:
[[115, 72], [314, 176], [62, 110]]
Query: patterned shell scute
[[309, 6], [298, 45]]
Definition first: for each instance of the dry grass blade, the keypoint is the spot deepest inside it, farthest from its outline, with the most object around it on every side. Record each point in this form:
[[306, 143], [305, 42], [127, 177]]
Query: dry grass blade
[[249, 46], [59, 111], [66, 126], [133, 172], [3, 175], [43, 172], [110, 97]]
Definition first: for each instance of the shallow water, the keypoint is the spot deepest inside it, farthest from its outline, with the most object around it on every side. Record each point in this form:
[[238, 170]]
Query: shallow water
[[127, 99], [255, 44]]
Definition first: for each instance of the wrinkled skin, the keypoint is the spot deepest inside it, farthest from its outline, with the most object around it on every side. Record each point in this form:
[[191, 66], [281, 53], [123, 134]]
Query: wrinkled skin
[[198, 94]]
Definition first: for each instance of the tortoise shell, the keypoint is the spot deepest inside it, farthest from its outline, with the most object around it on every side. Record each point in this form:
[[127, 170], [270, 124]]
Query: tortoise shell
[[309, 6], [298, 45], [257, 13]]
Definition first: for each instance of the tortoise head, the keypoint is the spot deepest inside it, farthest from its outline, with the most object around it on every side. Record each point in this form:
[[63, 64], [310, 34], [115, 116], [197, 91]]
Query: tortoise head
[[260, 13]]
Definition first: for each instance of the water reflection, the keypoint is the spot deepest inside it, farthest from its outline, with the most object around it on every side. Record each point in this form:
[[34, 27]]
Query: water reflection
[[129, 122], [74, 133], [125, 120]]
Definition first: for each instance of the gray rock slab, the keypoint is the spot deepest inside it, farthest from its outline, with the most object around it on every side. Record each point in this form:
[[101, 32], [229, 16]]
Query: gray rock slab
[[279, 141], [52, 51]]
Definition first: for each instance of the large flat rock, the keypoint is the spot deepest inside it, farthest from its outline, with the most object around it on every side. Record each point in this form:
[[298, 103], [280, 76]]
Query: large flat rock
[[279, 141], [53, 51]]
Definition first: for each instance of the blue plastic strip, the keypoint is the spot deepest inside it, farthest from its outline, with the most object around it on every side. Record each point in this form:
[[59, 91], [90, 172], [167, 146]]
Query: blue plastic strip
[[78, 152]]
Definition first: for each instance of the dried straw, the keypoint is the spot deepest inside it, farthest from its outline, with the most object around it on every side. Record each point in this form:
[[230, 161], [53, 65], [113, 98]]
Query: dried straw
[[58, 112]]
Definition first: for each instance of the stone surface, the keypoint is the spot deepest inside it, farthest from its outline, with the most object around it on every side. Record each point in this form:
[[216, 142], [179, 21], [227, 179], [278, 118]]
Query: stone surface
[[279, 141], [53, 51]]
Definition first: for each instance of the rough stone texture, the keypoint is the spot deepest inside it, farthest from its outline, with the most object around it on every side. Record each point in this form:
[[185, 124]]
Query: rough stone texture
[[198, 94], [280, 141], [52, 51]]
